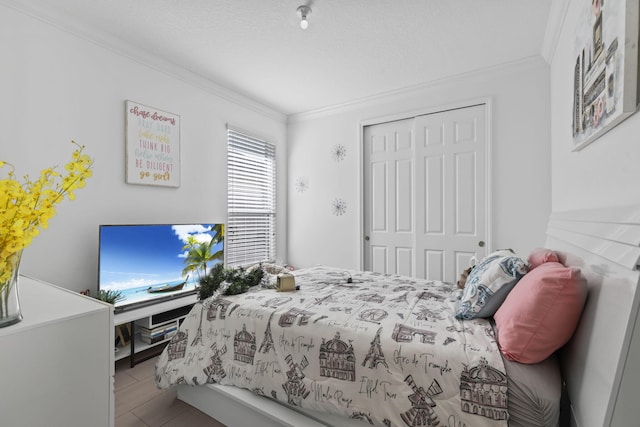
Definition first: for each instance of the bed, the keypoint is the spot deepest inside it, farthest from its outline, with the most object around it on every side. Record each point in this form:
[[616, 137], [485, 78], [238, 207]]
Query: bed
[[352, 347]]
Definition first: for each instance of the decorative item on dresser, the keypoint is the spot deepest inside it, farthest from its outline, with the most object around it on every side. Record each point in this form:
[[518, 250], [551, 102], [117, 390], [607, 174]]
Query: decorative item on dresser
[[25, 209], [10, 312]]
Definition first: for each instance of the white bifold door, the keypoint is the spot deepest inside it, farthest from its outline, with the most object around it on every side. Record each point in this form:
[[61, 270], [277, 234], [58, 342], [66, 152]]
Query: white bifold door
[[425, 195]]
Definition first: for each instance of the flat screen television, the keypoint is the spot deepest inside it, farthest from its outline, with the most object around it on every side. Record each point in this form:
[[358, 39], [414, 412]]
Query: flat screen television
[[151, 263]]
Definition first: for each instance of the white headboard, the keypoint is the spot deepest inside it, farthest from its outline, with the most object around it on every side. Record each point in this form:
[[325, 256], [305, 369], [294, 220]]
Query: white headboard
[[601, 363]]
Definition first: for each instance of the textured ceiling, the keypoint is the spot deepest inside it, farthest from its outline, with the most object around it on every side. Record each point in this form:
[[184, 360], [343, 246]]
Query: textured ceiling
[[352, 49]]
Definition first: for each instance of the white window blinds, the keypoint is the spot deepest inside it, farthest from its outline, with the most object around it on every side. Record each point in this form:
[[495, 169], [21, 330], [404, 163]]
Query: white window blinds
[[251, 225]]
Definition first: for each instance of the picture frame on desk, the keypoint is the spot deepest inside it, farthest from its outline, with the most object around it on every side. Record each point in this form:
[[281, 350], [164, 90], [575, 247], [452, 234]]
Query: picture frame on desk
[[123, 335]]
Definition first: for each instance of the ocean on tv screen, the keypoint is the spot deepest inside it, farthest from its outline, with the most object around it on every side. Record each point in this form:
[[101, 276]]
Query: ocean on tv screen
[[155, 261]]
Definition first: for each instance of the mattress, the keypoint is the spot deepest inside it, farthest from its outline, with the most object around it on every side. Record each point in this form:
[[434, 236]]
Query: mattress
[[534, 393]]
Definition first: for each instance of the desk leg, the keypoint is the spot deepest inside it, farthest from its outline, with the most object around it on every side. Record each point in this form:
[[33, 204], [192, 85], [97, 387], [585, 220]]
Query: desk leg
[[132, 359], [132, 362]]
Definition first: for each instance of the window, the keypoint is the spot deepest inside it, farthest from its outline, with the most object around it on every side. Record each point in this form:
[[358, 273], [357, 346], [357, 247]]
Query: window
[[251, 225]]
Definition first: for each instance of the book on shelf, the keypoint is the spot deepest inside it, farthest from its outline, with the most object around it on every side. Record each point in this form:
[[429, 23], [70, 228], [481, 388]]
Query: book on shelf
[[157, 338], [158, 329], [149, 340], [159, 335]]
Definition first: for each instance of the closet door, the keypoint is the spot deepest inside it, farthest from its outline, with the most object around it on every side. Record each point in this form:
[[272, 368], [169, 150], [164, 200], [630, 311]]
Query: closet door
[[425, 197], [389, 198], [451, 193]]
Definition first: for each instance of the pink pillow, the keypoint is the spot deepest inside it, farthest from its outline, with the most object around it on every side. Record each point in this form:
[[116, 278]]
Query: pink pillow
[[541, 312], [540, 256]]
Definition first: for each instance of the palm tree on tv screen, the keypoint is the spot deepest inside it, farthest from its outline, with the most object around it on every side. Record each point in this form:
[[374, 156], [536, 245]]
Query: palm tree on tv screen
[[199, 253]]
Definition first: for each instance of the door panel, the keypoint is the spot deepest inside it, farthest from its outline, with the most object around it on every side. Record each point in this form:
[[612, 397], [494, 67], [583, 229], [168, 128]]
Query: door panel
[[434, 192], [404, 196], [434, 263], [425, 221], [465, 194], [378, 259], [404, 261], [388, 197], [379, 200], [453, 187]]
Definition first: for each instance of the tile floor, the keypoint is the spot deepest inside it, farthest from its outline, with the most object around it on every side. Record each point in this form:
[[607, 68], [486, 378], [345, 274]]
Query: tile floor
[[139, 403]]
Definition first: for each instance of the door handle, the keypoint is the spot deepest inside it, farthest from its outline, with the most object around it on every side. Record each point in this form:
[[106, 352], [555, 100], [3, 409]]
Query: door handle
[[366, 238], [481, 243]]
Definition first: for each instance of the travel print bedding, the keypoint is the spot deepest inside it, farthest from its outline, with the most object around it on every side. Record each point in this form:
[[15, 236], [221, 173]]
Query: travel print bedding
[[385, 349]]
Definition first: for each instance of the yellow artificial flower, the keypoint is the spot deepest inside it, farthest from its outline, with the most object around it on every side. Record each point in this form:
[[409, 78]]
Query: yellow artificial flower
[[26, 208]]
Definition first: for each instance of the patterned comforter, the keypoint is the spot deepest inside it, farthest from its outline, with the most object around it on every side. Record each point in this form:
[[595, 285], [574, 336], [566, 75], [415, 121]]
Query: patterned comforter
[[381, 348]]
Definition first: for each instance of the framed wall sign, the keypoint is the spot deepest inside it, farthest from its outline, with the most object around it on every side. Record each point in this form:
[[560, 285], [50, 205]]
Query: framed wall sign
[[152, 146], [606, 68]]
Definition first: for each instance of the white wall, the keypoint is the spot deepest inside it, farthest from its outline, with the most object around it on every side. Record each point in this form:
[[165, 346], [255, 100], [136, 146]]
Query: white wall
[[603, 173], [519, 95], [57, 86]]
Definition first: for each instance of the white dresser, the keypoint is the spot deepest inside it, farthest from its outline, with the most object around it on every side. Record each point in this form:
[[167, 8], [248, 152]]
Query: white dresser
[[56, 365]]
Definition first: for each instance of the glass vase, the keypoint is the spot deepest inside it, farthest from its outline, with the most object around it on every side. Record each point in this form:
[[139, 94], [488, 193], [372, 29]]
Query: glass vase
[[10, 313]]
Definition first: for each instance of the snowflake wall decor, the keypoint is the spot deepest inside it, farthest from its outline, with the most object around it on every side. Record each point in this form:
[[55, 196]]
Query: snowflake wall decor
[[338, 152], [339, 207], [302, 184]]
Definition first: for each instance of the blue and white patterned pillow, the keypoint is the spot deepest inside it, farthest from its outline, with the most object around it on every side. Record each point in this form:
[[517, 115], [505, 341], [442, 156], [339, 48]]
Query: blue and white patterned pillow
[[489, 283]]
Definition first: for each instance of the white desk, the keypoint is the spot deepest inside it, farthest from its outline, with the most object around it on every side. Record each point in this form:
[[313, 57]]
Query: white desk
[[147, 312]]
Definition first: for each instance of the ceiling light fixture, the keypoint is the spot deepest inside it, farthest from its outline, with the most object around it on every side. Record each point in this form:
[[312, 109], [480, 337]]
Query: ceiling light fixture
[[304, 11]]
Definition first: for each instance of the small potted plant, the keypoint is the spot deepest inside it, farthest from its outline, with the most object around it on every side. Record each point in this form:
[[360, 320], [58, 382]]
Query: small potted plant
[[111, 296]]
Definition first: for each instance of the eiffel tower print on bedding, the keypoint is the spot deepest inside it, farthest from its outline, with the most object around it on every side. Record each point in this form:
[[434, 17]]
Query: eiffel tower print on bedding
[[385, 349]]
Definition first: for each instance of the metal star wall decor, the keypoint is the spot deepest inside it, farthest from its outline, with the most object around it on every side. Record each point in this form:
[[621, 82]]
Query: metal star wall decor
[[302, 184], [339, 207], [338, 152]]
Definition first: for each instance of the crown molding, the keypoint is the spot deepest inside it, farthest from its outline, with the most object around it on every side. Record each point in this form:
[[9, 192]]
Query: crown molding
[[57, 20], [555, 23], [371, 101]]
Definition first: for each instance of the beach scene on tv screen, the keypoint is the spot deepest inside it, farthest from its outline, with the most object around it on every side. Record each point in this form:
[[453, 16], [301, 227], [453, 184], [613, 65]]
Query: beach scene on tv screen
[[147, 262]]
